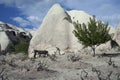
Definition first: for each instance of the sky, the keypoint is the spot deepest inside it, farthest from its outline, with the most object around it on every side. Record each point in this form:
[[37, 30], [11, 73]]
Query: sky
[[30, 13]]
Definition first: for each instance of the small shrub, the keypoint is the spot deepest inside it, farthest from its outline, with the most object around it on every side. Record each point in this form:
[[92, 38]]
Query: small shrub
[[73, 57], [118, 48], [42, 66], [3, 75], [118, 76], [2, 61], [22, 47], [12, 63], [112, 63], [53, 57], [100, 75], [24, 58], [84, 74]]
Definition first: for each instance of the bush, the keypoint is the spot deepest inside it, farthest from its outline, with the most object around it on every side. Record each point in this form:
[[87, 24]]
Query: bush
[[73, 57], [42, 66], [22, 47], [92, 34]]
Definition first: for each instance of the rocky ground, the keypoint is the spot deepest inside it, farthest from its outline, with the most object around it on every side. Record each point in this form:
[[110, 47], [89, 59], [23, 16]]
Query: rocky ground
[[69, 66]]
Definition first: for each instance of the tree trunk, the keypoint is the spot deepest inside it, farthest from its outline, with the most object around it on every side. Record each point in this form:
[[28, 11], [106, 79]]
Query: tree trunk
[[93, 48]]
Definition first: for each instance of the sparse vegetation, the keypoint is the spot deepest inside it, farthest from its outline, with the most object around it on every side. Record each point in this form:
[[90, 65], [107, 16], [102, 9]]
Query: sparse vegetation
[[73, 57], [84, 74], [12, 63], [2, 75], [112, 63], [53, 57], [22, 47], [118, 48], [100, 75], [42, 66], [83, 69], [92, 34]]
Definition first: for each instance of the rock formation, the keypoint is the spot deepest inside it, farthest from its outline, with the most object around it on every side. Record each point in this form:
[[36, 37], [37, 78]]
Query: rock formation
[[11, 35], [56, 31], [117, 35]]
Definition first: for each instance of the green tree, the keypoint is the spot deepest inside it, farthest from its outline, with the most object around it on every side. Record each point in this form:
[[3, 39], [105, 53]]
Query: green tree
[[92, 34]]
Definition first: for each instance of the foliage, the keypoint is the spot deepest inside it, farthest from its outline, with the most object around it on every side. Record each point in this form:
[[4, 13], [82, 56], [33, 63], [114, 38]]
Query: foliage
[[22, 47], [92, 34]]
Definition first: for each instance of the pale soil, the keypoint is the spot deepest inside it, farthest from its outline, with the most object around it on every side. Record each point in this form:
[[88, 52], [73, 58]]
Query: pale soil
[[16, 68]]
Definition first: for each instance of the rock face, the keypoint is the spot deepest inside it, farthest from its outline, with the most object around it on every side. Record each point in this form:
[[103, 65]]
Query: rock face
[[11, 35], [32, 32], [56, 31], [80, 16], [117, 34], [4, 41]]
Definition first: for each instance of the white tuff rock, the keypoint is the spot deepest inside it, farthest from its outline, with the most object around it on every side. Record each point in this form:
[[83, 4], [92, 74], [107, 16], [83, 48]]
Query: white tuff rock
[[56, 31]]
